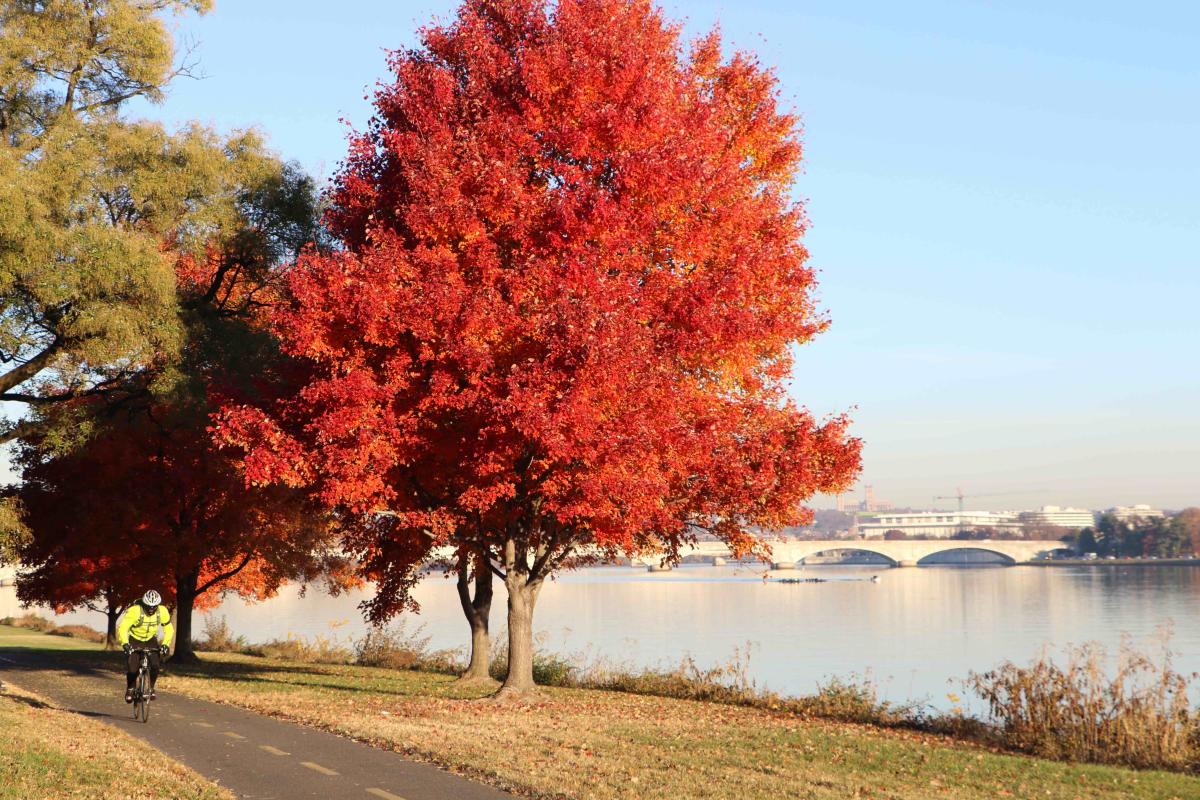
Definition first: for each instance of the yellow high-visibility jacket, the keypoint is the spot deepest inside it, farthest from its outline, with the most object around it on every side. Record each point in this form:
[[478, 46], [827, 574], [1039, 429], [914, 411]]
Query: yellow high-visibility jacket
[[141, 627]]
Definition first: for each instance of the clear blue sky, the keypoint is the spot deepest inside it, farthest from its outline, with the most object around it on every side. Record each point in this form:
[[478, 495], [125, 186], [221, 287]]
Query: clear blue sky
[[1006, 213]]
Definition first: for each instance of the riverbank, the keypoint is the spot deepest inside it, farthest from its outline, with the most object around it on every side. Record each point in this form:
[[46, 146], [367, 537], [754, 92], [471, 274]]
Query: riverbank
[[1116, 562], [577, 743], [48, 753]]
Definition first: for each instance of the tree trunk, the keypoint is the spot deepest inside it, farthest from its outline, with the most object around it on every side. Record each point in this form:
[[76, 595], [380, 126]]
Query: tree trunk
[[185, 598], [110, 635], [522, 597], [477, 611]]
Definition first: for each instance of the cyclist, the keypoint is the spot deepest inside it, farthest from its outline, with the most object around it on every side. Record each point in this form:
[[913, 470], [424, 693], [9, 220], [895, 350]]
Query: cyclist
[[139, 628]]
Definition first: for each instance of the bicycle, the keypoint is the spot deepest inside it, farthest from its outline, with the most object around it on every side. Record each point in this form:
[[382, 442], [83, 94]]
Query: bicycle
[[141, 691]]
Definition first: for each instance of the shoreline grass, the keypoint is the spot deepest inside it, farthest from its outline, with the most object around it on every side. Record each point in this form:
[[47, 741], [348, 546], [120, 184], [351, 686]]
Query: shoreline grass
[[1140, 716]]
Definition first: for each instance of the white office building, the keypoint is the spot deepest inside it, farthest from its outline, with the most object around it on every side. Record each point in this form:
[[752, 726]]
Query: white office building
[[1131, 513], [936, 524], [1069, 518]]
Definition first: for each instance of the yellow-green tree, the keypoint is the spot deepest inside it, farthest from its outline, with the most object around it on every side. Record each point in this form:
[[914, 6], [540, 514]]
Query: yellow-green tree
[[96, 209]]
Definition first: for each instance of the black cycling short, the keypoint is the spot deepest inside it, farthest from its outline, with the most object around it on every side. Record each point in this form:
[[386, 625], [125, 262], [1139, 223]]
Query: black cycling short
[[135, 658]]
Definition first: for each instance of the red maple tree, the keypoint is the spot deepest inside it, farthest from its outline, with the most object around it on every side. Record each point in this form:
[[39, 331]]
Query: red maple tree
[[560, 324], [79, 548], [148, 503], [66, 581]]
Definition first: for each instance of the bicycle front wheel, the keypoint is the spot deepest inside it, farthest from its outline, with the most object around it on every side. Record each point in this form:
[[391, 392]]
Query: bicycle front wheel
[[142, 707]]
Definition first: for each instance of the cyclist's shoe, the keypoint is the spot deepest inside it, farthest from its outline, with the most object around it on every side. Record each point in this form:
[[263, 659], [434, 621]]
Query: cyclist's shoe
[[153, 695], [129, 695]]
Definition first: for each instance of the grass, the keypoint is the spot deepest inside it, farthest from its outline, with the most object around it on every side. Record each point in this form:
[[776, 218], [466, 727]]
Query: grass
[[22, 637], [32, 622], [585, 743], [48, 753]]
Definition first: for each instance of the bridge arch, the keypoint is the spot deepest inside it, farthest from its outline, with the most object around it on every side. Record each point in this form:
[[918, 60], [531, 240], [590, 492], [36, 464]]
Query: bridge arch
[[1000, 557], [856, 547]]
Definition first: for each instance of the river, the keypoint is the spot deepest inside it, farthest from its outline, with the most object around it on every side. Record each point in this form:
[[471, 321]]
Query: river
[[916, 633]]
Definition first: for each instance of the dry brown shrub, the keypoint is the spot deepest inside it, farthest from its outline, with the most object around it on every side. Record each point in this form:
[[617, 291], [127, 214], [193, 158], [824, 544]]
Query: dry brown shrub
[[28, 621], [1140, 716], [77, 632]]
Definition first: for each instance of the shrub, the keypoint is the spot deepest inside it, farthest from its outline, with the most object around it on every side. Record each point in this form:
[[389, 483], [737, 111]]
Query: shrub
[[1139, 717], [77, 632], [319, 650], [847, 700], [28, 621], [398, 648], [856, 700], [726, 683], [219, 638], [548, 669]]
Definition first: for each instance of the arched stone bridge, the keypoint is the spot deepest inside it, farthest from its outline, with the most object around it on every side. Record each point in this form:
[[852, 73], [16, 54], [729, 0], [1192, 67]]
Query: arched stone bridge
[[786, 553]]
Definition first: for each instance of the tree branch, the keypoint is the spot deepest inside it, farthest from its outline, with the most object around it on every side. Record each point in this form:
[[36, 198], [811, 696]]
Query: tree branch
[[21, 430], [18, 375], [224, 576]]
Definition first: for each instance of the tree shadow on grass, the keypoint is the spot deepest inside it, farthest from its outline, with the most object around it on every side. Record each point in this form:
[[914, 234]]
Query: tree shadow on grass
[[294, 675], [29, 701], [39, 704], [97, 663], [31, 659]]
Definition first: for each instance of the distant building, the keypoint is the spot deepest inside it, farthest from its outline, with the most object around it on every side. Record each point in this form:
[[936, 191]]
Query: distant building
[[868, 503], [8, 592], [1070, 518], [1131, 513], [936, 524]]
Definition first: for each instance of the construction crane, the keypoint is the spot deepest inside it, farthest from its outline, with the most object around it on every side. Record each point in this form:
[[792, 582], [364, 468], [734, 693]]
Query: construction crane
[[960, 496]]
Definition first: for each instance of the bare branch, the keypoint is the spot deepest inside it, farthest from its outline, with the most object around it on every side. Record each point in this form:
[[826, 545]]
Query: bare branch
[[224, 576]]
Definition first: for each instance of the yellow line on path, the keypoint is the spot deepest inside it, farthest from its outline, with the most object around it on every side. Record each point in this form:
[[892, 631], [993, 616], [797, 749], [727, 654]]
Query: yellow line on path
[[275, 751], [233, 735], [176, 716], [318, 768], [386, 795], [204, 724]]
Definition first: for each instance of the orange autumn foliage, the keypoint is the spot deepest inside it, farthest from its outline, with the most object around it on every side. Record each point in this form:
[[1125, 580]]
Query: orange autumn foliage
[[562, 319]]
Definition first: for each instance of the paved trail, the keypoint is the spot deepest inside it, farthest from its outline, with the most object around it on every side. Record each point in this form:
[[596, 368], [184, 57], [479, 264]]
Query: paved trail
[[255, 757]]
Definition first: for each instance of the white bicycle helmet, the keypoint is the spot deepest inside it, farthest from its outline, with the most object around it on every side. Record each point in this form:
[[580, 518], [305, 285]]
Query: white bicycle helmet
[[151, 599]]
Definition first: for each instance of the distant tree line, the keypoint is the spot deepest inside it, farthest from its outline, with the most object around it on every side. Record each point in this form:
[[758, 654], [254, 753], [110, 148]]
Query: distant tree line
[[1175, 536], [1162, 537]]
